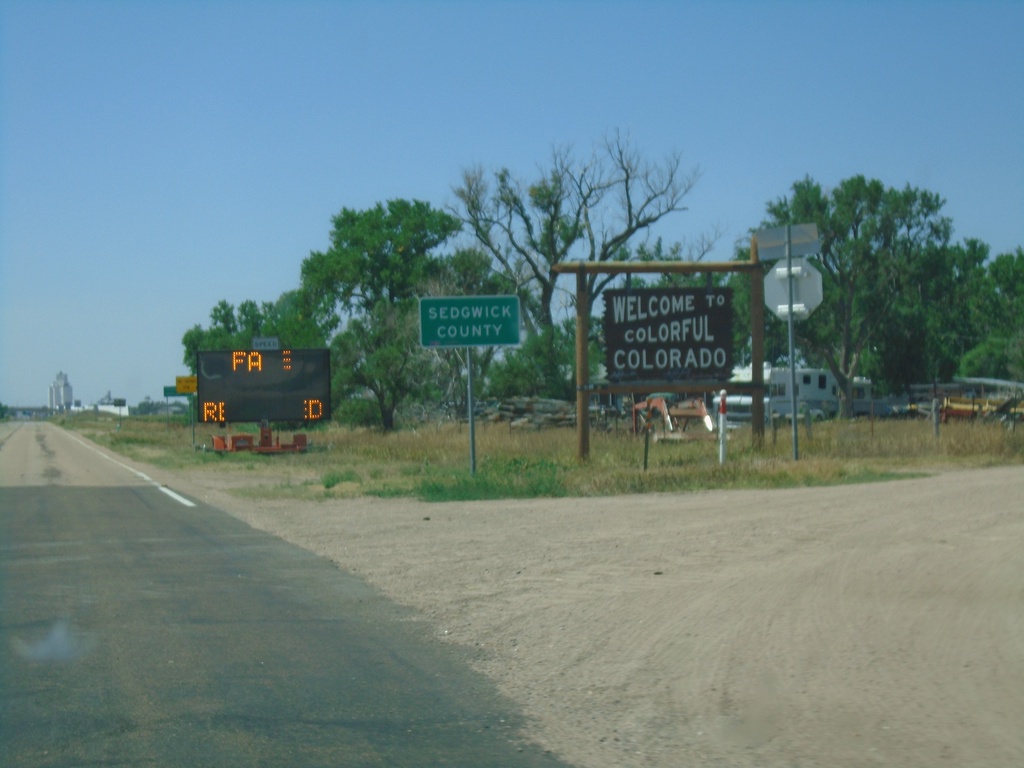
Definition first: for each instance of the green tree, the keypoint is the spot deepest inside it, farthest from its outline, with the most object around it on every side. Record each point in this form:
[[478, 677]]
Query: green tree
[[1006, 273], [1015, 356], [291, 319], [923, 339], [378, 262], [532, 371], [991, 359], [996, 352], [222, 317], [378, 355], [873, 242], [382, 254], [222, 333]]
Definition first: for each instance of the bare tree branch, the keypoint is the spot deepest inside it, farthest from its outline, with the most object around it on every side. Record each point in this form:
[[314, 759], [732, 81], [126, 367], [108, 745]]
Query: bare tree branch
[[586, 209]]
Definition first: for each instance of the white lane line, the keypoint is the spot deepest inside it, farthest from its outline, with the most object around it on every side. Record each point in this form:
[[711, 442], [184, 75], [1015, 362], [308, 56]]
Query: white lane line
[[175, 496], [178, 498]]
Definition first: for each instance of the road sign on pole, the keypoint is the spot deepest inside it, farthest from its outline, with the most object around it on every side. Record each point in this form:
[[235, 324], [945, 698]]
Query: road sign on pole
[[802, 240], [807, 289], [469, 321], [789, 241], [262, 343]]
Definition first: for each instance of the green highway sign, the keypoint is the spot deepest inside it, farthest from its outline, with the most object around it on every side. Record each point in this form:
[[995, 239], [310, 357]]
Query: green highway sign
[[469, 321], [172, 391]]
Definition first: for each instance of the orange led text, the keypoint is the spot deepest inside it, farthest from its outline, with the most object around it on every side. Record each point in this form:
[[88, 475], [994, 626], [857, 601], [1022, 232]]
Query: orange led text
[[247, 361], [213, 411]]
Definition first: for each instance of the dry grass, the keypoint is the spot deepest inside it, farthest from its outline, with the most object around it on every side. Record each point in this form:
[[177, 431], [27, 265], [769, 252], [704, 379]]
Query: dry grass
[[433, 462]]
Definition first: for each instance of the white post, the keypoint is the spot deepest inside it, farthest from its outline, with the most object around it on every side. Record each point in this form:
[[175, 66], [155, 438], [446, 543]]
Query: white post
[[721, 427]]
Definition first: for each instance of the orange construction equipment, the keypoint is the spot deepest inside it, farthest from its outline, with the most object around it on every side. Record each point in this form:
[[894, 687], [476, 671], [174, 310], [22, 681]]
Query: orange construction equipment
[[676, 416], [267, 443]]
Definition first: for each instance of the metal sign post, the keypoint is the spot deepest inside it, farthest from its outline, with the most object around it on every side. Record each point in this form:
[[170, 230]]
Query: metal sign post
[[470, 407], [787, 242], [792, 346]]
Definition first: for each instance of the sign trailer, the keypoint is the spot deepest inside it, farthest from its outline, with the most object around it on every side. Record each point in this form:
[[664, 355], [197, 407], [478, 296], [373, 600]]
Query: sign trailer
[[263, 386]]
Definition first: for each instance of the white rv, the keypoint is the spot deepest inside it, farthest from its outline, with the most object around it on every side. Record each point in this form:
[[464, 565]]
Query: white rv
[[817, 392]]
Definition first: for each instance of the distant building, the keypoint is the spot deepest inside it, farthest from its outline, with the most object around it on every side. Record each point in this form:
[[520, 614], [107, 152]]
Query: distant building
[[60, 394]]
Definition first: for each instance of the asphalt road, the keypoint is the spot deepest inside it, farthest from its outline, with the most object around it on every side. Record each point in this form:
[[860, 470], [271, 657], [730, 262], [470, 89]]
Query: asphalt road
[[142, 628]]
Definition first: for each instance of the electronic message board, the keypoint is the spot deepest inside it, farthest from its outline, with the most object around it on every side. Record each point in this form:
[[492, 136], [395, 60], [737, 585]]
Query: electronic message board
[[245, 385], [668, 334]]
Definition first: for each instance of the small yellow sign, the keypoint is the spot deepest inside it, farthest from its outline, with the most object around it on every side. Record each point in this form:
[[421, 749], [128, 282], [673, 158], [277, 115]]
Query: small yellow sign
[[186, 385]]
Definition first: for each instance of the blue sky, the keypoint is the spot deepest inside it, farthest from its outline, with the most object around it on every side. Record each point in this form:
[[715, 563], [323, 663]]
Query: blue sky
[[157, 157]]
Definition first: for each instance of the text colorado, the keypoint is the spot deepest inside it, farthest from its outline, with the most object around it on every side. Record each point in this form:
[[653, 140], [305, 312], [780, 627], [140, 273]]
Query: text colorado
[[668, 334]]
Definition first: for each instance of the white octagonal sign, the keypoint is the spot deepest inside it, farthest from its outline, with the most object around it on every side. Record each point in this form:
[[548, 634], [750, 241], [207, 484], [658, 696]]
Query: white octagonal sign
[[807, 293]]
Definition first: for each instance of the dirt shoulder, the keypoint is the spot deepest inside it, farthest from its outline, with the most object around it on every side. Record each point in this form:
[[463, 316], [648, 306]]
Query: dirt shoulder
[[857, 625]]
